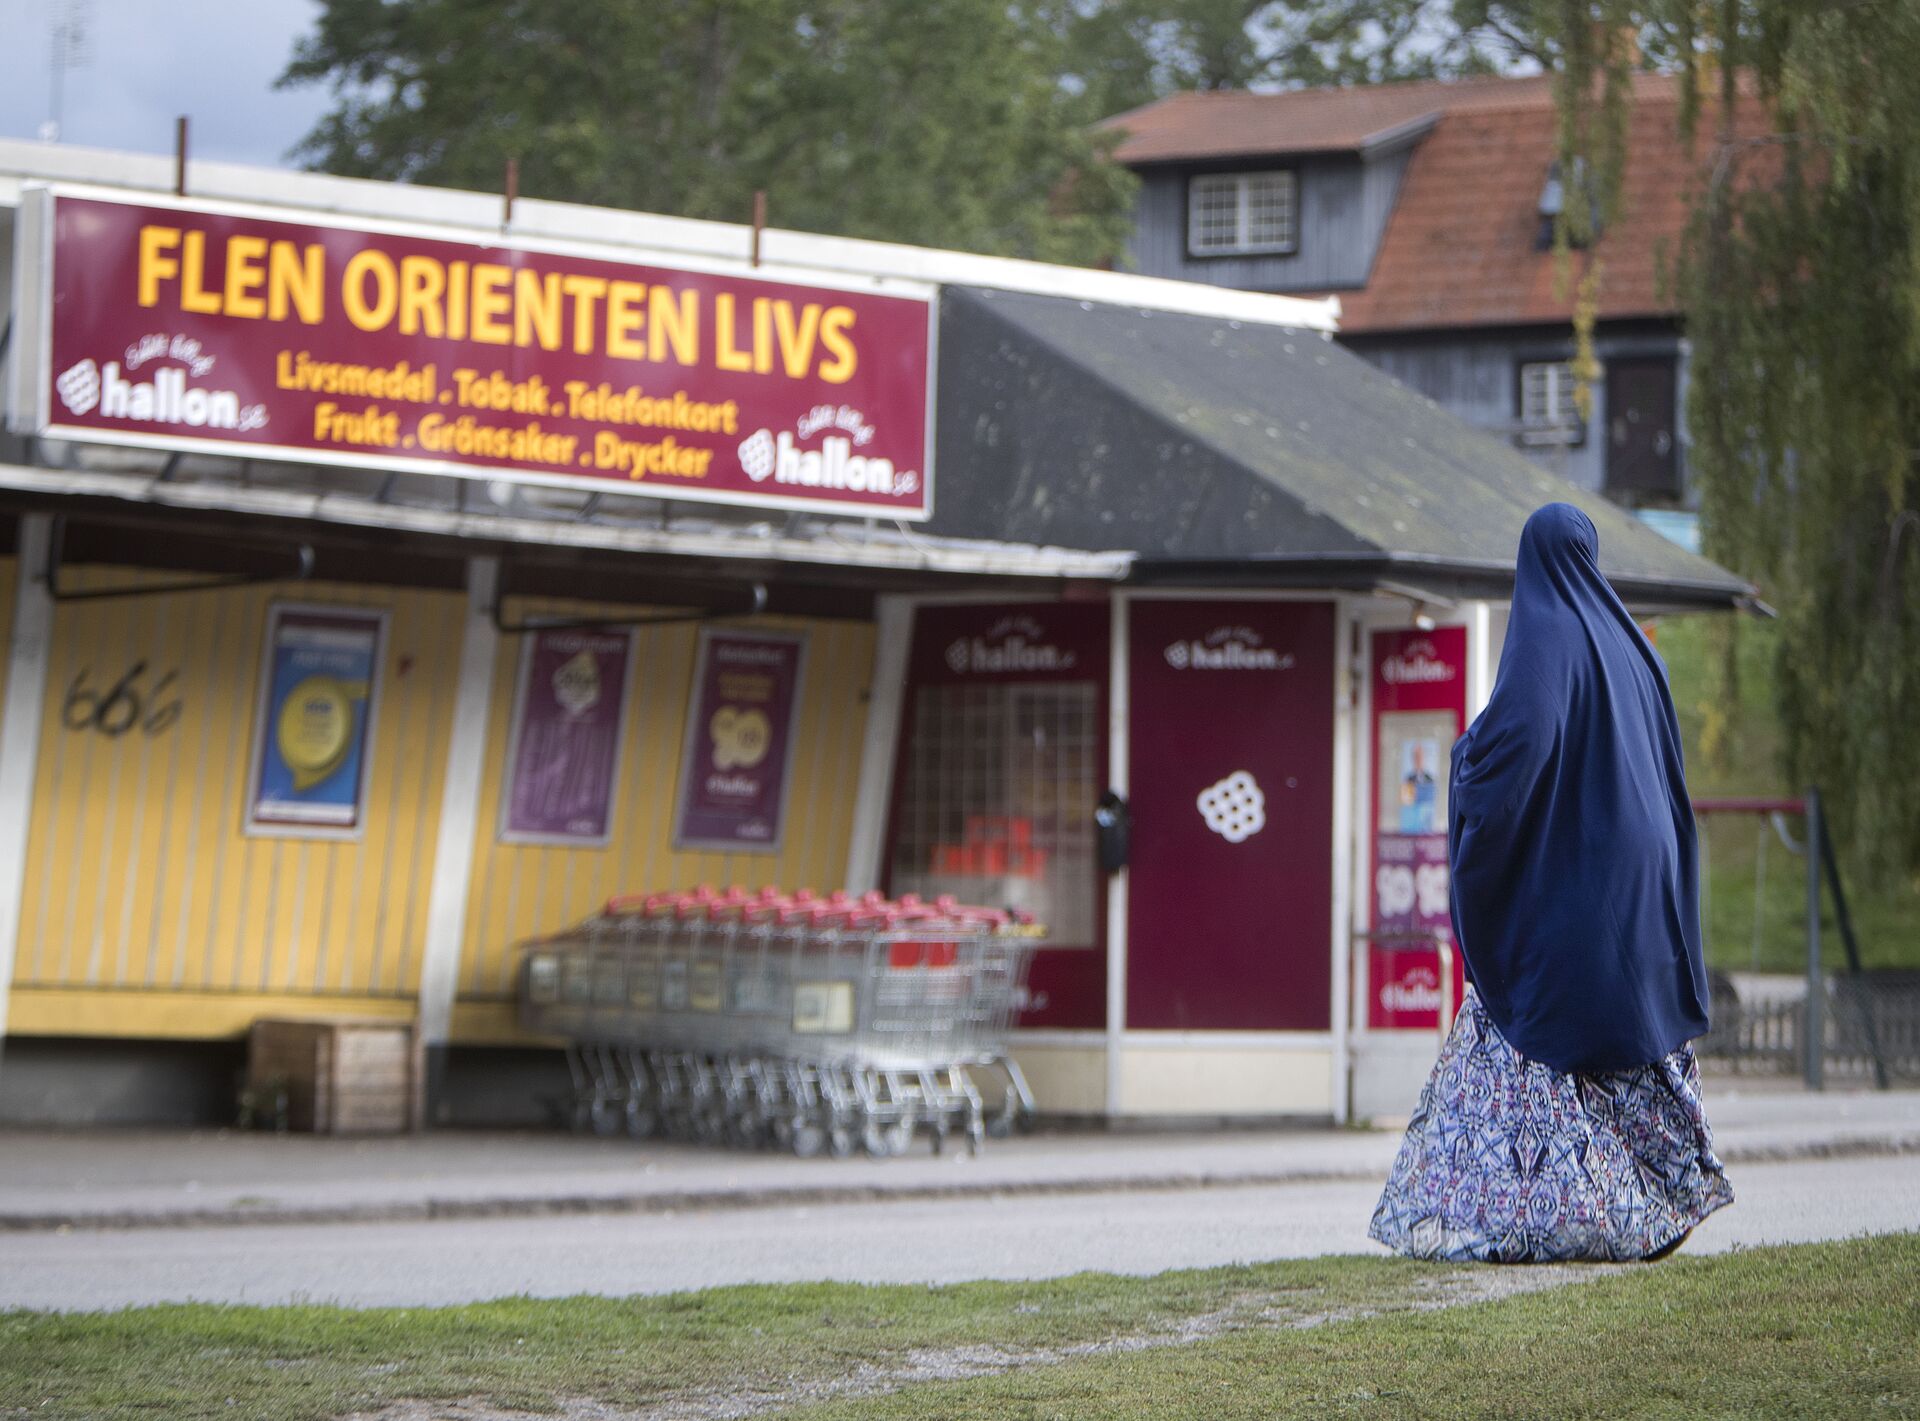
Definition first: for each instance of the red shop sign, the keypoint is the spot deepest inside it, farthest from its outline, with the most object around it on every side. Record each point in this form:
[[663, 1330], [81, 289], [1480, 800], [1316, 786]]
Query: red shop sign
[[175, 326], [1419, 709]]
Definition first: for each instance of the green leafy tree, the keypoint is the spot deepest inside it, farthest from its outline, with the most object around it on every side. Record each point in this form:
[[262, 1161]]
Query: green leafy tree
[[941, 122], [1800, 281], [1129, 52]]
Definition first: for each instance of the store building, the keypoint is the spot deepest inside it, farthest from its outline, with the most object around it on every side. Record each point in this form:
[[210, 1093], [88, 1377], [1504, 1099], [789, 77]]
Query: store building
[[336, 666]]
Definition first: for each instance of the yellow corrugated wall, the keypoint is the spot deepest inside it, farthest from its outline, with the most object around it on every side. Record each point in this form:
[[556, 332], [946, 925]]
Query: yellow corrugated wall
[[519, 890], [147, 910]]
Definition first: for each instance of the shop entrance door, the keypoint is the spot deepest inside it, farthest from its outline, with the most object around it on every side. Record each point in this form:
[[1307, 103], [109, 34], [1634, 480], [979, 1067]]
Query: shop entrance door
[[1230, 895]]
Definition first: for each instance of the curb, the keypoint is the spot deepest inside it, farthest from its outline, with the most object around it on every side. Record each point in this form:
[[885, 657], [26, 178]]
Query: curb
[[797, 1196]]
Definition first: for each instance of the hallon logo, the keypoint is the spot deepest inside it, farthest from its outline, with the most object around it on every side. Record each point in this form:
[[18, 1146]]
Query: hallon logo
[[1227, 649], [166, 399], [1418, 990], [1234, 808], [1011, 644], [765, 455], [1419, 662]]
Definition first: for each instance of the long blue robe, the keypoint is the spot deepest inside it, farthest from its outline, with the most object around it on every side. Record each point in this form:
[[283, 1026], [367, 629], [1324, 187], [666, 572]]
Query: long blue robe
[[1570, 836]]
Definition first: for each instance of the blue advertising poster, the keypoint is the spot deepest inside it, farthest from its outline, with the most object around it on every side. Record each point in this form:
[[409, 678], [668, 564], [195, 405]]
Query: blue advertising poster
[[320, 680]]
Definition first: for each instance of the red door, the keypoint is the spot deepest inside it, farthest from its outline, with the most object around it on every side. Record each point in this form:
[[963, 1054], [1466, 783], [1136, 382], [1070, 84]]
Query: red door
[[1230, 897]]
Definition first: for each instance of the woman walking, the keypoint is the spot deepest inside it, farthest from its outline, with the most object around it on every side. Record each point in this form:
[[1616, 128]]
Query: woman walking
[[1563, 1118]]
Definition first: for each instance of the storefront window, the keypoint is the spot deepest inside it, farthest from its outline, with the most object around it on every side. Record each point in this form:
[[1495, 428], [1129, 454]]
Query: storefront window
[[996, 807]]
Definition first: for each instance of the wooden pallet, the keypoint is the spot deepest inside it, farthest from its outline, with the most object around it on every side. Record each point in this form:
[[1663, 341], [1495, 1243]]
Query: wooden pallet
[[339, 1076]]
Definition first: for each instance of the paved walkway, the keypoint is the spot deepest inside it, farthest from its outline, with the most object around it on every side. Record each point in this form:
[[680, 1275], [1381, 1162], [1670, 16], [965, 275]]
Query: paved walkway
[[951, 1240], [140, 1178]]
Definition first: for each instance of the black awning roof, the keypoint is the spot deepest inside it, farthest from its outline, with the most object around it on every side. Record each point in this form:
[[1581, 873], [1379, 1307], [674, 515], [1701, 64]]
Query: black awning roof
[[1233, 453]]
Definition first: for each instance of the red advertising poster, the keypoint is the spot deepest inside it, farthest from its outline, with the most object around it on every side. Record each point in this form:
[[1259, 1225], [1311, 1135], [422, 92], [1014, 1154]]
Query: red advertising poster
[[564, 758], [1231, 883], [733, 776], [1003, 758], [181, 326], [1419, 709]]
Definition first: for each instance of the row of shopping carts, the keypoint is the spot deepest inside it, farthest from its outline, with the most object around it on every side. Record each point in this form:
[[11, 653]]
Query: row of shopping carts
[[798, 1020]]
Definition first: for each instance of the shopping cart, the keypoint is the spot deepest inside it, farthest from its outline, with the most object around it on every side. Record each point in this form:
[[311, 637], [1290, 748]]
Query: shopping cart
[[790, 1020]]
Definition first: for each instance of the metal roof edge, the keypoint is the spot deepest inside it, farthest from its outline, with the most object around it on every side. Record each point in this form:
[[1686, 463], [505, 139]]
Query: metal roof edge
[[832, 544], [1394, 137], [1454, 576], [324, 195]]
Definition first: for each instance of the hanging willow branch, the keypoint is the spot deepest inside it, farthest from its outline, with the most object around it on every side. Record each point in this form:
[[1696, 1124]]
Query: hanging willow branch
[[1800, 282]]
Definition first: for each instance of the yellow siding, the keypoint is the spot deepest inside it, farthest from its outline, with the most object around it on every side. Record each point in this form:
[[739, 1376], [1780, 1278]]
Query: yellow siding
[[139, 878], [519, 890]]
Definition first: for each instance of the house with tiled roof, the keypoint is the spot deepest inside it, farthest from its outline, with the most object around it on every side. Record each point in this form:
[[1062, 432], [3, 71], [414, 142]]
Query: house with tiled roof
[[1427, 209]]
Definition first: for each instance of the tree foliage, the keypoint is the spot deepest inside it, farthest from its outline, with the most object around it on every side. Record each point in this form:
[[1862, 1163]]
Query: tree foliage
[[940, 122], [958, 123], [1800, 281], [1128, 52]]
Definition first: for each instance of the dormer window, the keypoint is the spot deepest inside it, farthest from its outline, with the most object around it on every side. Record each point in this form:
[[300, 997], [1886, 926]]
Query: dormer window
[[1236, 214], [1553, 201]]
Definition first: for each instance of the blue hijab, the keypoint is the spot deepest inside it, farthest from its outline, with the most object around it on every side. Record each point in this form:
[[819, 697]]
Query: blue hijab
[[1576, 895]]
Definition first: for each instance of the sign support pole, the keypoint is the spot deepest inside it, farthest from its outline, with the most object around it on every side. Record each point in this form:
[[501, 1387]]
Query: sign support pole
[[459, 820], [1119, 761], [873, 797]]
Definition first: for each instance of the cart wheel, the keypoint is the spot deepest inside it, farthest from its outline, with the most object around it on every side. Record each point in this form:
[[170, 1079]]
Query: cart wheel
[[749, 1132], [643, 1122], [808, 1138], [899, 1136], [976, 1137], [709, 1125], [1009, 1115], [605, 1115], [840, 1141], [940, 1137]]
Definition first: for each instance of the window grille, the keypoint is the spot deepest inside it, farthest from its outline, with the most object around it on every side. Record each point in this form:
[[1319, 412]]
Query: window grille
[[1242, 212], [998, 799], [1548, 414]]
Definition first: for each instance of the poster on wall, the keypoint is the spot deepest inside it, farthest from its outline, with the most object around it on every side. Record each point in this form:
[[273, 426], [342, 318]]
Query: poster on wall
[[1419, 710], [563, 759], [312, 735], [734, 770]]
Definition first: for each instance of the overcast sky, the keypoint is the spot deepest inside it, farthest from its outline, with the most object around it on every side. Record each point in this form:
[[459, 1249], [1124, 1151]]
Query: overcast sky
[[150, 61]]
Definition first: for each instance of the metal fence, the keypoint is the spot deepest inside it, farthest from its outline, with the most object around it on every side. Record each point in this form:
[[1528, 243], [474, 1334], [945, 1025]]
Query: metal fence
[[1870, 1029]]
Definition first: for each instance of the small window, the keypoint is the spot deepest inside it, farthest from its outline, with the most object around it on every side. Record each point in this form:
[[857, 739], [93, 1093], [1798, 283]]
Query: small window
[[997, 806], [1553, 201], [1233, 213], [1548, 414]]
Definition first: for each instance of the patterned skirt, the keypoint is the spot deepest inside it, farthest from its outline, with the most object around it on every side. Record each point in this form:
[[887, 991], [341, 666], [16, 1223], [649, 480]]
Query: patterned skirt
[[1510, 1161]]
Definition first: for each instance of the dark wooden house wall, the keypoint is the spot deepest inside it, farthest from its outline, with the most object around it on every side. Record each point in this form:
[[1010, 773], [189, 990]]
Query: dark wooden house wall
[[1343, 208], [1475, 375]]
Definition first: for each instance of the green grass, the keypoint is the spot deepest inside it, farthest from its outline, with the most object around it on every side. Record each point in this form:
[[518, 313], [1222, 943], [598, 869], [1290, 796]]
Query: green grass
[[1828, 1330], [1755, 909], [291, 1363]]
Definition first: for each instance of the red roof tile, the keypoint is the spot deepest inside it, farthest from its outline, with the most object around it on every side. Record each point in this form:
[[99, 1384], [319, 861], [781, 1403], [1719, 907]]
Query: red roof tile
[[1460, 248], [1233, 122]]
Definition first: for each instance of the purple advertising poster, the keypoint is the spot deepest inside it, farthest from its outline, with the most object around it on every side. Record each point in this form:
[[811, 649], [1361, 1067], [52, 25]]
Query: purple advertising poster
[[565, 755], [733, 786]]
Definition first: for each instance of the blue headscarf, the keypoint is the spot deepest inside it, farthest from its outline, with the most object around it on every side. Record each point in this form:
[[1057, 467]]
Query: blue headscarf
[[1576, 895]]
